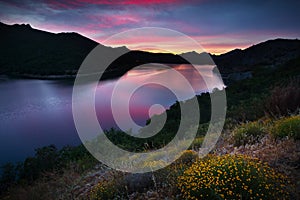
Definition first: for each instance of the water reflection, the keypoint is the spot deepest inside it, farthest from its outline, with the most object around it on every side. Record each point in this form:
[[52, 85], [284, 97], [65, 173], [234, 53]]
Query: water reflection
[[35, 113], [147, 95]]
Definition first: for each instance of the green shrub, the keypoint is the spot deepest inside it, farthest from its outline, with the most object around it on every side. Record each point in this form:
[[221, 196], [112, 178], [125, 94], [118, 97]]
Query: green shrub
[[167, 178], [248, 133], [202, 129], [111, 186], [197, 143], [7, 176], [187, 157], [232, 177], [287, 127], [104, 190], [284, 100]]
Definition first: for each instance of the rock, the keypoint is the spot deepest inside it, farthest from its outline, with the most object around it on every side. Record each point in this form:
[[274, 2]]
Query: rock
[[139, 182]]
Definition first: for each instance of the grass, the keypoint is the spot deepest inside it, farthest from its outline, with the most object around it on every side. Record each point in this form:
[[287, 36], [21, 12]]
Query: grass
[[248, 133], [287, 127]]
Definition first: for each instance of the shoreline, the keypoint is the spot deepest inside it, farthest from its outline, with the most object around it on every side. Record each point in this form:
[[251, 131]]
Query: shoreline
[[41, 77]]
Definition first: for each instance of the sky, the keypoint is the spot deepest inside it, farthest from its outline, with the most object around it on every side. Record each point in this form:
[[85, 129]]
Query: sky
[[218, 25]]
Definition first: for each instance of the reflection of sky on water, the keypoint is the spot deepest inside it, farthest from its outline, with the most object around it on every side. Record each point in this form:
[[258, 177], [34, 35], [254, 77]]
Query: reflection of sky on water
[[149, 94], [35, 113]]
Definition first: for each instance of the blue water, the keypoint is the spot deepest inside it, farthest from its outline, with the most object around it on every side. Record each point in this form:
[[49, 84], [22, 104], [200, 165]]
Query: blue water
[[35, 113]]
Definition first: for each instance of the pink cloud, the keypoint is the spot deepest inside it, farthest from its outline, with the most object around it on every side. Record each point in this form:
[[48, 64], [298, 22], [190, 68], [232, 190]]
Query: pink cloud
[[79, 3], [56, 4], [112, 20], [129, 2], [149, 40]]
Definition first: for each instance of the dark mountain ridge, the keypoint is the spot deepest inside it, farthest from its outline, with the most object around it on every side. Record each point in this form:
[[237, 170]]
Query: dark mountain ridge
[[269, 53], [25, 50]]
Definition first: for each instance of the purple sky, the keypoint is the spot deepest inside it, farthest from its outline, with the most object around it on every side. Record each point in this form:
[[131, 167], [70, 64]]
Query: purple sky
[[218, 26]]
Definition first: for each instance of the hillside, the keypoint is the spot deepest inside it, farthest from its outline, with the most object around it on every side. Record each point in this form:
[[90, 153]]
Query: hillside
[[25, 50], [269, 53]]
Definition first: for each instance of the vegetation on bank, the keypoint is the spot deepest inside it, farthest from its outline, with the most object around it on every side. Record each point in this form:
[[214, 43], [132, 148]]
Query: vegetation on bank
[[46, 159], [287, 127], [219, 176]]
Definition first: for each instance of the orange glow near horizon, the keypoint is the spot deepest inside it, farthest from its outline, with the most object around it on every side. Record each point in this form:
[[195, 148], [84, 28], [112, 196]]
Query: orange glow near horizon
[[154, 40], [221, 49], [177, 45]]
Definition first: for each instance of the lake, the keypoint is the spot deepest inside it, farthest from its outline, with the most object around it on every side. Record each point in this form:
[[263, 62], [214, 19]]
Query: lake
[[35, 113]]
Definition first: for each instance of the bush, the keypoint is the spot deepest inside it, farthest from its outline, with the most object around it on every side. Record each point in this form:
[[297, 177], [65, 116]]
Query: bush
[[104, 190], [7, 176], [284, 100], [166, 178], [232, 177], [287, 127], [197, 143], [248, 133], [119, 185], [111, 186], [187, 157]]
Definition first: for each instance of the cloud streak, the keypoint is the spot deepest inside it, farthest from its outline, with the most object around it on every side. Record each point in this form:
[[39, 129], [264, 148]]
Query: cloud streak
[[218, 25]]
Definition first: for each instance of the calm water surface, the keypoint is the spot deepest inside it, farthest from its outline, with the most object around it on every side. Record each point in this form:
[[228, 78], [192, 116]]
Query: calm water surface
[[35, 113]]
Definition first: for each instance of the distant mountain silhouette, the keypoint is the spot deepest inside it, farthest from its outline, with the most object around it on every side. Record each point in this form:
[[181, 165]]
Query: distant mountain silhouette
[[269, 53], [25, 50], [198, 58], [31, 51]]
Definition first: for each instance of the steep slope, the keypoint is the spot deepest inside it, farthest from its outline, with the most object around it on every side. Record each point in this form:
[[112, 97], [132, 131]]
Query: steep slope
[[27, 50], [269, 53]]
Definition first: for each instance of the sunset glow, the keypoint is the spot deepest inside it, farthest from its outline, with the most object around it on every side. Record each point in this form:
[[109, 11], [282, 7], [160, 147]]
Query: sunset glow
[[219, 26]]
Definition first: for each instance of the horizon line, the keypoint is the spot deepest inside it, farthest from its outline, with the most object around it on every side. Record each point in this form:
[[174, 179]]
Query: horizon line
[[147, 50]]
